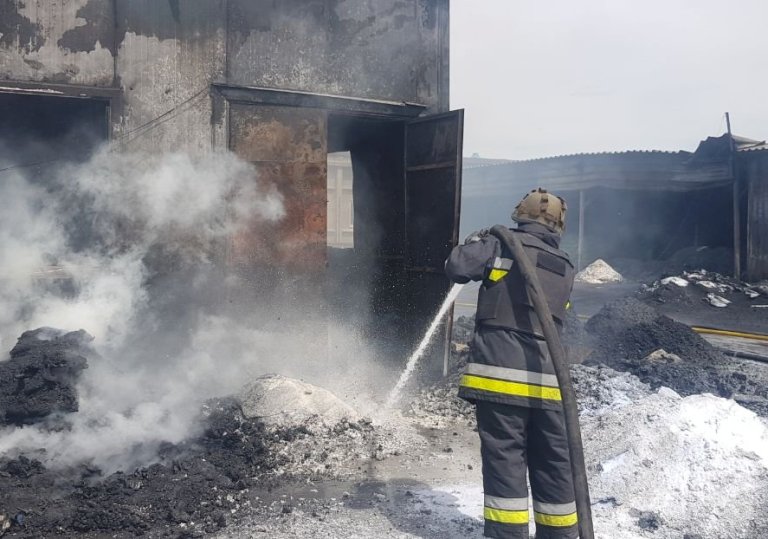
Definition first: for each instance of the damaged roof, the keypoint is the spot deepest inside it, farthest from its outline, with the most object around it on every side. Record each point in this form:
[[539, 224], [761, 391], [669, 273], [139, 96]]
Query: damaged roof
[[707, 167]]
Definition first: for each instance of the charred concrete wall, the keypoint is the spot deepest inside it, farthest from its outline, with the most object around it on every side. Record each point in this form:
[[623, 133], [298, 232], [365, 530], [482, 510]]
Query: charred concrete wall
[[59, 41], [164, 54]]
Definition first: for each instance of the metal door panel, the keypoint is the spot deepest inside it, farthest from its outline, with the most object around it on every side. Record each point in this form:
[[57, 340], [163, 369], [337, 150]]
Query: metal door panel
[[432, 207]]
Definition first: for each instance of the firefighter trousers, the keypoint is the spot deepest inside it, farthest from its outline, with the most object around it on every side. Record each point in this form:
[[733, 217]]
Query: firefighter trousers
[[516, 439]]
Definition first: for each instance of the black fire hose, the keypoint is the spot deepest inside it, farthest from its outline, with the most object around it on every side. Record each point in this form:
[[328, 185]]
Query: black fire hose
[[570, 408]]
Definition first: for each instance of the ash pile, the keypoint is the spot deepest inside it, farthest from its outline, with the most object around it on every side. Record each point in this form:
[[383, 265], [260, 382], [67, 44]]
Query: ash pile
[[274, 430], [40, 377], [630, 336], [645, 447], [599, 272]]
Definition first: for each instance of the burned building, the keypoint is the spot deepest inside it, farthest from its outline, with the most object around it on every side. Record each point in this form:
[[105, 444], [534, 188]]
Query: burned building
[[662, 210], [280, 84]]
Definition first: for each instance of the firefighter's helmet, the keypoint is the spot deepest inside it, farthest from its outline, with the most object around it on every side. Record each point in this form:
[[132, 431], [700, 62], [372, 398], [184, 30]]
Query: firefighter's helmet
[[539, 206]]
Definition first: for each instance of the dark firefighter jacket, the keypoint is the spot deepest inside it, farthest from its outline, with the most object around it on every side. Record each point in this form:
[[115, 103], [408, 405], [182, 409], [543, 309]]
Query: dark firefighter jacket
[[510, 363]]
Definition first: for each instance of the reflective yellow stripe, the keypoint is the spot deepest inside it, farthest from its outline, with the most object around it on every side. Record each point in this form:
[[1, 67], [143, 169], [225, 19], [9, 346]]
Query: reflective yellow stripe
[[559, 521], [506, 517], [497, 274], [567, 305], [517, 389]]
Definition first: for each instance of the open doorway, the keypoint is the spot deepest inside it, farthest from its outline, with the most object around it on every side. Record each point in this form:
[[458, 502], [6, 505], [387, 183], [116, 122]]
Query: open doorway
[[41, 134], [341, 212], [405, 200], [41, 130], [365, 220]]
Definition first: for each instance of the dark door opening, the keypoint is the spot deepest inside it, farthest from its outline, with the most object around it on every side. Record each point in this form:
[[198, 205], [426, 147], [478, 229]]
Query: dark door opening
[[40, 134], [38, 130]]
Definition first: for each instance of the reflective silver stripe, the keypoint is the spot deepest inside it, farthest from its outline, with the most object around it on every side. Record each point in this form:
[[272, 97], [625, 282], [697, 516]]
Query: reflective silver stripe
[[507, 504], [512, 375], [502, 263], [554, 508]]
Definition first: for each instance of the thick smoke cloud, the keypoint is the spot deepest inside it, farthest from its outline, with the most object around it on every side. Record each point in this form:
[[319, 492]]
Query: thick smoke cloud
[[128, 247]]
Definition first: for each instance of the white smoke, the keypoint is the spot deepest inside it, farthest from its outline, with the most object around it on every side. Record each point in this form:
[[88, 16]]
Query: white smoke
[[163, 350], [128, 204]]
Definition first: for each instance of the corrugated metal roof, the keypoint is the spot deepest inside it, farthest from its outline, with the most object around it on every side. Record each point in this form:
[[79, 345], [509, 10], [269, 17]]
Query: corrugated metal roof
[[708, 166], [639, 170], [757, 147], [476, 162]]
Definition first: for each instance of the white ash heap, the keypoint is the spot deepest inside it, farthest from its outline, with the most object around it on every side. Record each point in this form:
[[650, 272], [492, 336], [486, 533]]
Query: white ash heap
[[328, 438], [280, 401], [670, 466], [599, 272]]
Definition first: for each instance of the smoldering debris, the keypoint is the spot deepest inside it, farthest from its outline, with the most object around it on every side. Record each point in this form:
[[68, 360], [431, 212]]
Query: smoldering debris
[[196, 486], [200, 481], [40, 378], [633, 337]]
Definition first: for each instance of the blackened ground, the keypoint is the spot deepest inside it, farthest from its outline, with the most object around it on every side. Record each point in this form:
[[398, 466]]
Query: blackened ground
[[195, 488], [688, 305], [627, 331], [40, 376]]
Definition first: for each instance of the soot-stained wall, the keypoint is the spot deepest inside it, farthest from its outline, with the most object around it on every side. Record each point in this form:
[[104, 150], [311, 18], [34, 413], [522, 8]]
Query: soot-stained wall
[[164, 54], [754, 175], [392, 50]]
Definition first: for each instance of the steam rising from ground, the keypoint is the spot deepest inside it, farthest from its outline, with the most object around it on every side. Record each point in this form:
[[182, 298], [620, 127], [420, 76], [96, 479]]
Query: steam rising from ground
[[125, 246]]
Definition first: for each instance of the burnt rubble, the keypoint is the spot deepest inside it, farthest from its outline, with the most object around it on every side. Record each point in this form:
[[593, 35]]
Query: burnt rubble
[[631, 336], [198, 482], [194, 488], [711, 299], [39, 378], [197, 487]]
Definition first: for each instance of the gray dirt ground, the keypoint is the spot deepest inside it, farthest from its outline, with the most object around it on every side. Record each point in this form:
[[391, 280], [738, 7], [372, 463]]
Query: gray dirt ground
[[433, 491]]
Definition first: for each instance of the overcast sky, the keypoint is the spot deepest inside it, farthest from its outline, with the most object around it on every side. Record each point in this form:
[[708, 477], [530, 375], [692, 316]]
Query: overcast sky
[[542, 78]]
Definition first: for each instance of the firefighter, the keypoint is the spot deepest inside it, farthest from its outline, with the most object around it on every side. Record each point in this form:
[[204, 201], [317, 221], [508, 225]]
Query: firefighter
[[510, 376]]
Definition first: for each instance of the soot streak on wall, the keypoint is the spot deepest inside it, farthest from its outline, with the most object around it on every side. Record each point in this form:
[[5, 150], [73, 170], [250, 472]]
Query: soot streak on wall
[[162, 53]]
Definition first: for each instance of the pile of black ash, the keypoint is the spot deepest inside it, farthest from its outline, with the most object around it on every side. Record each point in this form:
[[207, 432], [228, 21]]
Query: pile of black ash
[[633, 337], [40, 377]]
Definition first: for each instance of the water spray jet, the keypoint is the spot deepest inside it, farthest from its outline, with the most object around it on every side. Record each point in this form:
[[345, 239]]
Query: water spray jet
[[394, 395]]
